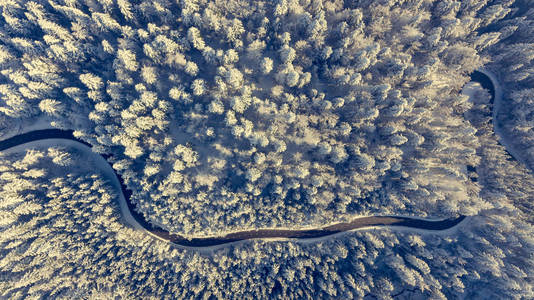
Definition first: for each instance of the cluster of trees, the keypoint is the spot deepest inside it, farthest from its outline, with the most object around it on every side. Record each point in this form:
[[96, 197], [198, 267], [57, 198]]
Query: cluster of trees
[[62, 237], [513, 64], [289, 113], [498, 173]]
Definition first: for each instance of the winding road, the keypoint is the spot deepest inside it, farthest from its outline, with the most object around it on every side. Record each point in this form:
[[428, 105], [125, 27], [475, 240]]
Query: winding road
[[163, 234], [137, 220]]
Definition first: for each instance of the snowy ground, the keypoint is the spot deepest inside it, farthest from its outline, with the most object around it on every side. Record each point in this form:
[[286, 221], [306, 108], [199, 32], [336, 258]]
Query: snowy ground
[[26, 126]]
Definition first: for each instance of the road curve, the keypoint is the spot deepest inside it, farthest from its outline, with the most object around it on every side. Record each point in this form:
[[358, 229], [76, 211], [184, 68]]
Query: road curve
[[163, 234], [480, 76], [489, 81], [154, 230]]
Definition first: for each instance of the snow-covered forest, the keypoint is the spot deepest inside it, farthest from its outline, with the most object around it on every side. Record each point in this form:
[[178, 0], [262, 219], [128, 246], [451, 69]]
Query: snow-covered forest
[[513, 63], [62, 237], [224, 115], [219, 117]]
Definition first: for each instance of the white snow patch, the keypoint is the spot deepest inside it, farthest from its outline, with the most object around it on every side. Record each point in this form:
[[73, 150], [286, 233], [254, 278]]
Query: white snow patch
[[26, 126]]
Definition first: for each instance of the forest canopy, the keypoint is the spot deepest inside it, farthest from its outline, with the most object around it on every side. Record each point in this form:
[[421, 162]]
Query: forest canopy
[[224, 115], [230, 118]]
